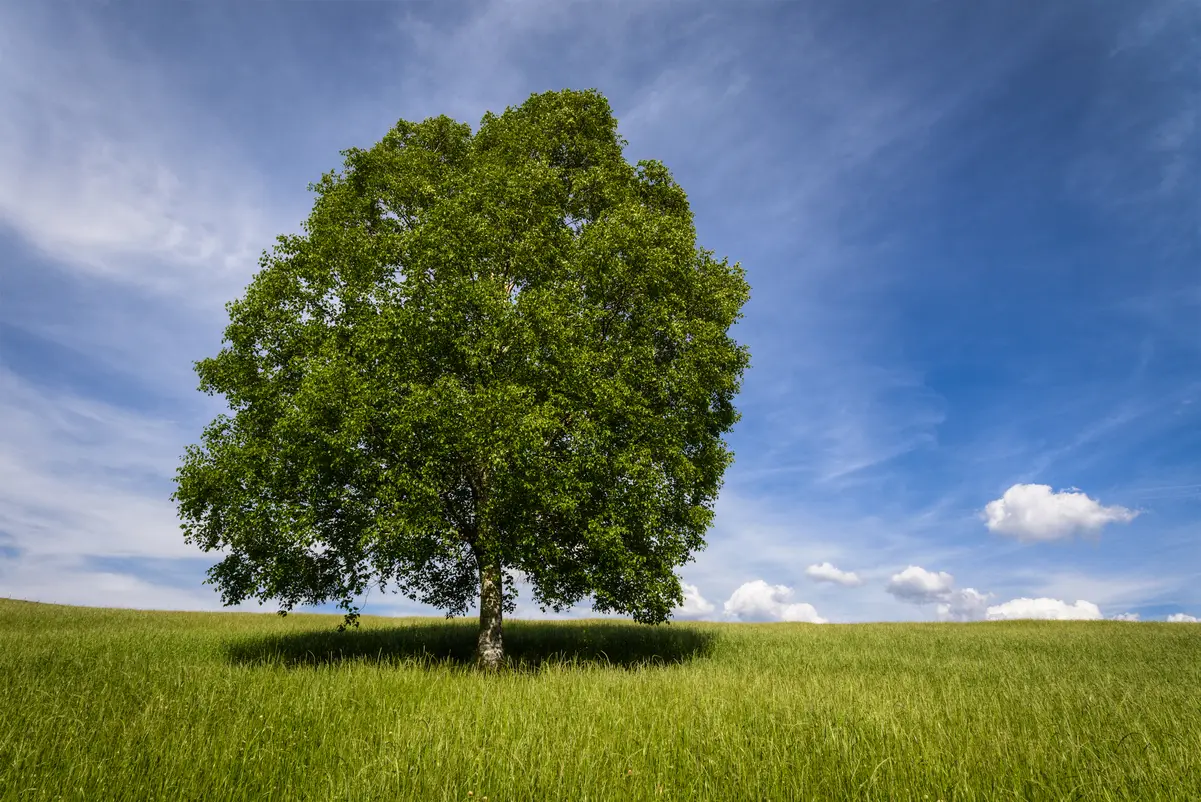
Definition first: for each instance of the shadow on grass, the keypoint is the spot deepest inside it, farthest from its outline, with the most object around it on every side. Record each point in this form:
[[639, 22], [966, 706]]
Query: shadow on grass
[[528, 645]]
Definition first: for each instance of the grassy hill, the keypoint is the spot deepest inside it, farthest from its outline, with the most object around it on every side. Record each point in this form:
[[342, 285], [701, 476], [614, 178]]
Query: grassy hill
[[120, 704]]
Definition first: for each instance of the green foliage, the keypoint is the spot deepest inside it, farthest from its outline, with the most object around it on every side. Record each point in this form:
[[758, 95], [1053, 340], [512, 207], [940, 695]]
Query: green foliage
[[500, 347], [128, 705]]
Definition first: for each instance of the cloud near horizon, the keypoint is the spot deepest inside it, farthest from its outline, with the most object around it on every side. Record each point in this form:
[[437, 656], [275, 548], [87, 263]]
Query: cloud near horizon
[[916, 585], [759, 601], [1048, 609], [695, 605]]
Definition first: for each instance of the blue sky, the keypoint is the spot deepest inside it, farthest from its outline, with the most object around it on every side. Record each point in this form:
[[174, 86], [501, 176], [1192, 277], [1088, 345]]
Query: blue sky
[[972, 232]]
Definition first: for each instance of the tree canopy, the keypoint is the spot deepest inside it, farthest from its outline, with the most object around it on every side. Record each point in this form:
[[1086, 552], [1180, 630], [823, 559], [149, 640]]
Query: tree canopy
[[488, 356]]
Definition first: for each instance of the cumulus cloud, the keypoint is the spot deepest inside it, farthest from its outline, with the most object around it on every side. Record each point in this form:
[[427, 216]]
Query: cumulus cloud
[[1126, 617], [919, 586], [963, 605], [916, 585], [1053, 609], [759, 601], [1034, 512], [1183, 618], [695, 605], [825, 572]]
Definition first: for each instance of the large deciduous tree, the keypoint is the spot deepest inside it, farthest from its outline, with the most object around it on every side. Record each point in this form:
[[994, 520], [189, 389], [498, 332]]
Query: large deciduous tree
[[487, 356]]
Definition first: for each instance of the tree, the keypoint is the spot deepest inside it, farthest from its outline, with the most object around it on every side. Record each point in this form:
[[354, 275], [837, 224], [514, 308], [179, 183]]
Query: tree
[[487, 355]]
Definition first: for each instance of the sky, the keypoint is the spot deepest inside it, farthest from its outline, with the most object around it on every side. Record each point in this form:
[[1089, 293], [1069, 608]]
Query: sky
[[972, 233]]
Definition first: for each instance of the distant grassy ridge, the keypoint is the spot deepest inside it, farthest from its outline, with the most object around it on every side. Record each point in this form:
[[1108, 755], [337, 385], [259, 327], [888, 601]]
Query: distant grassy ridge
[[120, 704]]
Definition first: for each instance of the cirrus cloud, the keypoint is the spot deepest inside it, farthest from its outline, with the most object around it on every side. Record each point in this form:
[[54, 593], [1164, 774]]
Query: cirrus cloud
[[1034, 513]]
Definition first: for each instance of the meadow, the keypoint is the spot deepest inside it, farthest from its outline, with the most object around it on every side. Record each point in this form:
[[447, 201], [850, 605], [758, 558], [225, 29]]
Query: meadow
[[102, 704]]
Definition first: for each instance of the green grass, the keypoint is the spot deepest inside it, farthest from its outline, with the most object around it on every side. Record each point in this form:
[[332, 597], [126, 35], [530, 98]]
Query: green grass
[[118, 704]]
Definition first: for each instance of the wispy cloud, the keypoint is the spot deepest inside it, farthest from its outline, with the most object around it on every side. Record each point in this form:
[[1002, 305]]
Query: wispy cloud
[[1156, 43], [1117, 587], [61, 579], [104, 169], [80, 477], [144, 219]]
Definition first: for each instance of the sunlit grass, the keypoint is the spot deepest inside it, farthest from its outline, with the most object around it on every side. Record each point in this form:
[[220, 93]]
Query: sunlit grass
[[118, 704]]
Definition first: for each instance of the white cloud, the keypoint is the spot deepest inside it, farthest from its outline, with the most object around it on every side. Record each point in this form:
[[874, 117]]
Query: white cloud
[[963, 605], [66, 579], [105, 170], [695, 605], [1034, 512], [1045, 609], [825, 572], [759, 601], [81, 477], [755, 533], [1183, 618], [916, 585], [919, 586]]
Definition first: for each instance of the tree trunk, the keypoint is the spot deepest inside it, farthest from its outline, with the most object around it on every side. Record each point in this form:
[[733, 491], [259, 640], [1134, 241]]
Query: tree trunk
[[490, 650]]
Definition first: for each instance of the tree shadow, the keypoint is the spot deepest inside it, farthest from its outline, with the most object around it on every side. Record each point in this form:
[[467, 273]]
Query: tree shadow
[[529, 645]]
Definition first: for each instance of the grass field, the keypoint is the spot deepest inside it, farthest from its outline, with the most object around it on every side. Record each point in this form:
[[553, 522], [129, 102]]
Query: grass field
[[117, 704]]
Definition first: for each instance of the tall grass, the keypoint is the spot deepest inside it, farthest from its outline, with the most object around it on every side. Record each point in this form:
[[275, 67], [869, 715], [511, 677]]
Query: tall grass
[[117, 704]]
